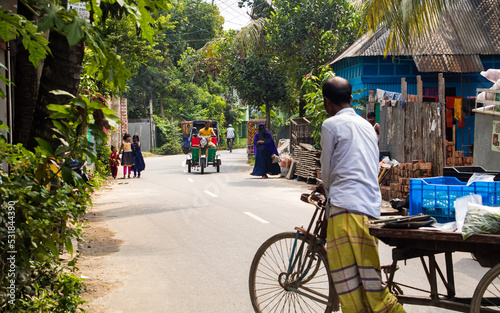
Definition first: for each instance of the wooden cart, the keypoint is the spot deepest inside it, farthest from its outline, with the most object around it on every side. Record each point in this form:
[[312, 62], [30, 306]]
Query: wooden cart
[[415, 243]]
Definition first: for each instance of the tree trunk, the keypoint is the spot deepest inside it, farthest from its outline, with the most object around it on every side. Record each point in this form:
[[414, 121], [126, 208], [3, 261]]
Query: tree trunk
[[62, 71], [26, 89]]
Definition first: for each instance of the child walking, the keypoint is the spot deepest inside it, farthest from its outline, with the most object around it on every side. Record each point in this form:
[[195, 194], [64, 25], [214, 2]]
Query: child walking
[[139, 164], [114, 157], [127, 156]]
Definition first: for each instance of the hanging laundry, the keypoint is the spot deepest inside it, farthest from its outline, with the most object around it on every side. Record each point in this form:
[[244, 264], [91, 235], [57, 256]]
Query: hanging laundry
[[393, 95], [468, 105], [458, 109], [449, 118], [382, 103], [412, 98], [403, 104], [380, 95], [461, 122], [450, 102]]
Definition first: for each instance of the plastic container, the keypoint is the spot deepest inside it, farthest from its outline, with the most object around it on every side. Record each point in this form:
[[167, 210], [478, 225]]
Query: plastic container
[[463, 173], [436, 196]]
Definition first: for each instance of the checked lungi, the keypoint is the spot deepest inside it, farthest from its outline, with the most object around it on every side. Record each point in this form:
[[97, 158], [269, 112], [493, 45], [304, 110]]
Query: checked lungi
[[355, 265]]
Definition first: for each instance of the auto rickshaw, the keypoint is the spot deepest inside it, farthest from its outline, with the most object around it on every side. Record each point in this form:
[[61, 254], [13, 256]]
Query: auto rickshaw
[[208, 156]]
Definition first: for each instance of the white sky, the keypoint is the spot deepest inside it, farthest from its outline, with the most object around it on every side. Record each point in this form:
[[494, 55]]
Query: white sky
[[235, 17]]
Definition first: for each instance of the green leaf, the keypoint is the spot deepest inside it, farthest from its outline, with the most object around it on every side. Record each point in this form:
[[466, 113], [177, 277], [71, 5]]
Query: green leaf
[[61, 108], [50, 244], [62, 149], [45, 146], [74, 31], [69, 245], [67, 175], [59, 92]]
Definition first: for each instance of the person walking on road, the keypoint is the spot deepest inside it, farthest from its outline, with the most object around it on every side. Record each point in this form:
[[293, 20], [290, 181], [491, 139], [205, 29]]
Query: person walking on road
[[139, 164], [349, 169], [265, 150], [127, 156]]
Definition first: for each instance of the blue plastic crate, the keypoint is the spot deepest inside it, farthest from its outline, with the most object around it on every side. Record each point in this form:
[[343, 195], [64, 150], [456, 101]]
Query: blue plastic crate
[[436, 196]]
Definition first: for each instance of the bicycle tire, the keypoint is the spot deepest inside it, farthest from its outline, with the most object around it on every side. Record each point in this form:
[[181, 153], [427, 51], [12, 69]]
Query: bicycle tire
[[487, 294], [268, 292]]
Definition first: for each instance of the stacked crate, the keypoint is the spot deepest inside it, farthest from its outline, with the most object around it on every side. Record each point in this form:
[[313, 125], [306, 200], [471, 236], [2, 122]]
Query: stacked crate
[[397, 183], [456, 158], [307, 160]]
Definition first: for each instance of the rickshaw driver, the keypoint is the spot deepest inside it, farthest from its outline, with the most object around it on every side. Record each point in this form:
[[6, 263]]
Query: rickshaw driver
[[207, 131]]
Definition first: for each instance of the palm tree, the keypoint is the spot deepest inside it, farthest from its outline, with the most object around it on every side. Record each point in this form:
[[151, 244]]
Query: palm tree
[[406, 20]]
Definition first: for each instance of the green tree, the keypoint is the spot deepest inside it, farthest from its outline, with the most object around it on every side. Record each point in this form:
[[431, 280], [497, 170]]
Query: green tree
[[256, 78], [405, 20], [63, 55], [305, 34]]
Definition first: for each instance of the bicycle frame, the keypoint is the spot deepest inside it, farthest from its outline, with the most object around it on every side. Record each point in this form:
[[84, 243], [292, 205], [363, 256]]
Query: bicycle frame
[[313, 242]]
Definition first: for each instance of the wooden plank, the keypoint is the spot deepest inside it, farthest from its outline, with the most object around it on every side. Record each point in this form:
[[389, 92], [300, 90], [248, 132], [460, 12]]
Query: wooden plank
[[441, 88], [404, 89], [419, 89]]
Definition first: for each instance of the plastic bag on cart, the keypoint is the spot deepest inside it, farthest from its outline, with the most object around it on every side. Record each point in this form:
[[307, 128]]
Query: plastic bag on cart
[[461, 207], [481, 219]]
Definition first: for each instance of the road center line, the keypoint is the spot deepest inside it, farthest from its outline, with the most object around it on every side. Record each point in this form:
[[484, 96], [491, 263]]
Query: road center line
[[263, 221], [190, 180], [211, 194]]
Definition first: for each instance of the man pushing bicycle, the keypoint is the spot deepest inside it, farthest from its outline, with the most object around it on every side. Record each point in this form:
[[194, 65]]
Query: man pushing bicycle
[[349, 170]]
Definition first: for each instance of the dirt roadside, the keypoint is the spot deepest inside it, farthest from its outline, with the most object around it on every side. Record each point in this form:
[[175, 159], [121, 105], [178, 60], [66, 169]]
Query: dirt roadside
[[99, 241]]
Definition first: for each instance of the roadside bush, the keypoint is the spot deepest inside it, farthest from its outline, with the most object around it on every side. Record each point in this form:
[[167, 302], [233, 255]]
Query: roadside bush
[[102, 164], [41, 199], [37, 221], [170, 148], [170, 137]]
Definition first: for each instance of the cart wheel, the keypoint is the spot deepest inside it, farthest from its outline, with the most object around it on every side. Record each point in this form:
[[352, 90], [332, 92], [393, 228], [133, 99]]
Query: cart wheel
[[189, 166], [487, 294], [202, 165], [218, 166]]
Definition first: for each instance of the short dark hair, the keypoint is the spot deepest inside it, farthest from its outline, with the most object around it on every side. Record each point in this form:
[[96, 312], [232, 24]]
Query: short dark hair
[[126, 136], [135, 136], [338, 90], [112, 147], [370, 114]]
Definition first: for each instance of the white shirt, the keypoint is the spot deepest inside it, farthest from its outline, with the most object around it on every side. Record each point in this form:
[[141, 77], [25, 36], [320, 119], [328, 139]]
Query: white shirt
[[349, 163], [230, 133]]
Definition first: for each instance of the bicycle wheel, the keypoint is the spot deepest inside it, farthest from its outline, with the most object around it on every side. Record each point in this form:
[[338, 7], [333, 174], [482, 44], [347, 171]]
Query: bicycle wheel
[[307, 288], [487, 294]]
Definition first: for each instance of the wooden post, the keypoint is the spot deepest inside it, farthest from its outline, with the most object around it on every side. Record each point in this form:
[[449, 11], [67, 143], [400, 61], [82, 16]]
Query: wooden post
[[454, 142], [441, 84], [404, 89], [371, 96], [419, 89], [443, 134], [151, 128]]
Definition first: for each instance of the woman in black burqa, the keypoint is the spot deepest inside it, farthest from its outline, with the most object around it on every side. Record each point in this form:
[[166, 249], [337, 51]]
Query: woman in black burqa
[[264, 148]]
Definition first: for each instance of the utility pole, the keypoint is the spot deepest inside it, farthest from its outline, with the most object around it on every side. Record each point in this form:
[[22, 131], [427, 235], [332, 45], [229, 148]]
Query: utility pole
[[151, 128]]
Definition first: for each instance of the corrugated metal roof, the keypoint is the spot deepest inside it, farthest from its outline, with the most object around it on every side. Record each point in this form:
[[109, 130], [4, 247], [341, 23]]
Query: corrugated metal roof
[[469, 29]]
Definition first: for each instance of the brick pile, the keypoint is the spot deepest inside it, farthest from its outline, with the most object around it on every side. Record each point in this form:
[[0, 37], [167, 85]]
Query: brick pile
[[396, 183], [456, 158]]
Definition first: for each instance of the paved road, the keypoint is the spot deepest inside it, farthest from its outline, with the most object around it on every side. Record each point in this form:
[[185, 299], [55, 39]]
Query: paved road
[[188, 239]]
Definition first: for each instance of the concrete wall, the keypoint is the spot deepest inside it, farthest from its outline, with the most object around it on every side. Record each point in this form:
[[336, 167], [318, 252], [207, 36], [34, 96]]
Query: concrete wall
[[483, 155], [143, 130]]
